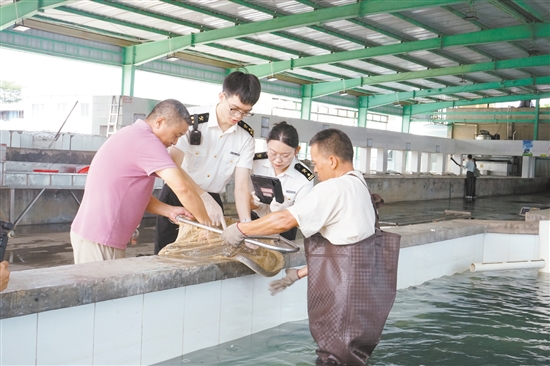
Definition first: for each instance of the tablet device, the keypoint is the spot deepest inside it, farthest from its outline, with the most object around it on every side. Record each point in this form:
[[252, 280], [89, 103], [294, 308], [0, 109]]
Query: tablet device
[[267, 188]]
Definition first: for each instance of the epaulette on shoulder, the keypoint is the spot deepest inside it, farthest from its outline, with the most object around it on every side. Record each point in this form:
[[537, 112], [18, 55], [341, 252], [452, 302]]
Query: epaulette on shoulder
[[260, 155], [202, 117], [304, 170], [247, 128]]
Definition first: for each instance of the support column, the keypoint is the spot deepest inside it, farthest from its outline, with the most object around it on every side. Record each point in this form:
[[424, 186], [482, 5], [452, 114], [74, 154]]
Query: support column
[[307, 99], [406, 119], [399, 157], [364, 159], [381, 160], [362, 112], [537, 118], [425, 162], [440, 164], [528, 167], [414, 163], [128, 75]]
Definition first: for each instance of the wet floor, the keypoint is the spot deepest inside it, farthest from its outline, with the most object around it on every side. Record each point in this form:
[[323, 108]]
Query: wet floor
[[48, 246]]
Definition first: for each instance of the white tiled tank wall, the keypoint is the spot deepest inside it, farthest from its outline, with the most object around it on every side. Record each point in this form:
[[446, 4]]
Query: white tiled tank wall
[[150, 328], [154, 327]]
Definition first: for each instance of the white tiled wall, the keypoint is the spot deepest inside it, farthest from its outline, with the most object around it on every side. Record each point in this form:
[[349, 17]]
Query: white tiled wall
[[154, 327]]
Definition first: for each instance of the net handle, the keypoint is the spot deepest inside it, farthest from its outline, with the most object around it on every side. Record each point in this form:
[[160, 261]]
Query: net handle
[[290, 246]]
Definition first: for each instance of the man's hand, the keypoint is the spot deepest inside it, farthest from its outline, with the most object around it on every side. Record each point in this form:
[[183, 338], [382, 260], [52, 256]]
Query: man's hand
[[279, 285], [276, 206], [4, 275], [213, 209], [176, 211], [233, 235]]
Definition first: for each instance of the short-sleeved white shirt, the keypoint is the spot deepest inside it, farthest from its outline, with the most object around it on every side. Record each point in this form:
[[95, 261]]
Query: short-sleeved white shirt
[[340, 209], [295, 184], [470, 166], [212, 163]]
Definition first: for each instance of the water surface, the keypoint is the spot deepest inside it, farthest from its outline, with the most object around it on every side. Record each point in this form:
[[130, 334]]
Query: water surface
[[481, 318]]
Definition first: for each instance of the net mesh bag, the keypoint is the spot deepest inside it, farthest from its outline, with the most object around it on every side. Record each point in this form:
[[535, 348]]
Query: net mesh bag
[[204, 245]]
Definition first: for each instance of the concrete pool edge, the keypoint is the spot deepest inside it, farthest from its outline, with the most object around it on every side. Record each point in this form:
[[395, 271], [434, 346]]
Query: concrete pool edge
[[35, 291]]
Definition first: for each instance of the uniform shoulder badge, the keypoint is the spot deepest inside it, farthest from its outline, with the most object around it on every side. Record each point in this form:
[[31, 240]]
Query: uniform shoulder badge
[[260, 155], [304, 170], [247, 128], [202, 117]]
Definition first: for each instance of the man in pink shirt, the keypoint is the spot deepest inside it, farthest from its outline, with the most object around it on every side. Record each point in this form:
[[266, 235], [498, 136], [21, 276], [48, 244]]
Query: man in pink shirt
[[120, 183]]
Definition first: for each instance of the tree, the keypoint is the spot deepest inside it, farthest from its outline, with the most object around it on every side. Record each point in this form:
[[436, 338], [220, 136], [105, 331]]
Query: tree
[[10, 92]]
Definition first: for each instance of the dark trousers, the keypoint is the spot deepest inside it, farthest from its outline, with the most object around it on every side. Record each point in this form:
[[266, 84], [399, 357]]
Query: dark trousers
[[167, 232], [470, 184]]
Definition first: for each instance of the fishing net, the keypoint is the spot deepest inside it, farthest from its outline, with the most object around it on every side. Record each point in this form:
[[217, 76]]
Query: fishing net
[[203, 245]]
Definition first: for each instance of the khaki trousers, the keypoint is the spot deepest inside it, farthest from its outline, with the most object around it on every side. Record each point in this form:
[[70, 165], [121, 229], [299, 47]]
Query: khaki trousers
[[86, 251]]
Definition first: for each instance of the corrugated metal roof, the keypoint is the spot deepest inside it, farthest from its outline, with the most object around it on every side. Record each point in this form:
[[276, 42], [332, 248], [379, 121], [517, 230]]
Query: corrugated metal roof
[[150, 21]]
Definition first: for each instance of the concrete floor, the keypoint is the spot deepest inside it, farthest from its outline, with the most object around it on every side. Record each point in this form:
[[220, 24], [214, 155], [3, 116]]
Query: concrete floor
[[41, 247]]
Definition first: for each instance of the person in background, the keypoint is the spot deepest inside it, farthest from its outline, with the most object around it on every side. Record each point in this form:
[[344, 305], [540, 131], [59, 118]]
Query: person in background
[[120, 183], [4, 275], [346, 311], [218, 146], [470, 179], [281, 161]]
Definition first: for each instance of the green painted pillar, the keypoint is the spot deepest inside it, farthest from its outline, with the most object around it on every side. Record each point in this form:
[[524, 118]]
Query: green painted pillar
[[537, 118], [128, 75], [307, 99], [362, 112], [406, 123]]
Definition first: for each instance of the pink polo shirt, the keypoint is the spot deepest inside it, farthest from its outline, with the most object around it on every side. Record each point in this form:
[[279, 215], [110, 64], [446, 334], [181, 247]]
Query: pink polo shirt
[[119, 185]]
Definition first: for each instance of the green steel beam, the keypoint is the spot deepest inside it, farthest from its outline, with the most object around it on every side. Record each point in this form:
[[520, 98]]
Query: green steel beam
[[151, 14], [479, 25], [86, 28], [330, 48], [22, 9], [527, 8], [82, 51], [317, 90], [142, 53], [519, 32], [376, 100], [470, 120], [512, 12], [495, 113], [113, 20], [423, 108]]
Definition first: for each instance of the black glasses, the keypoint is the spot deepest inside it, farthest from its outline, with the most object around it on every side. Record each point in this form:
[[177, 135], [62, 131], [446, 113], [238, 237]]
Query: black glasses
[[236, 112]]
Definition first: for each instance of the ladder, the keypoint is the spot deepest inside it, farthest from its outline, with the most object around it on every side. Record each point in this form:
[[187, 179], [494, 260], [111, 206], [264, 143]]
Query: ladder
[[114, 114]]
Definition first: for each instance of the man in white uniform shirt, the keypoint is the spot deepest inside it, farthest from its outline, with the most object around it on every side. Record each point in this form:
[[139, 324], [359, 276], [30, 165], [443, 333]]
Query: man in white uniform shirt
[[217, 145], [347, 306]]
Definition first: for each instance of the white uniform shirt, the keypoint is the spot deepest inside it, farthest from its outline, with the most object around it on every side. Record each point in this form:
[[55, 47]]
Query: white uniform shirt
[[212, 163], [339, 208], [294, 183]]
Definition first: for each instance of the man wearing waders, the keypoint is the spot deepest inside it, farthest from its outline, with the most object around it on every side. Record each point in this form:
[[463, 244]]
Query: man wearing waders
[[351, 266], [470, 179]]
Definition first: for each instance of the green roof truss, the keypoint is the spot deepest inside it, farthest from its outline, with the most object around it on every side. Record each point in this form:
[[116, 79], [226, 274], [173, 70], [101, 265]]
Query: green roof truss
[[321, 89], [429, 107], [13, 12], [142, 53], [384, 99], [519, 32]]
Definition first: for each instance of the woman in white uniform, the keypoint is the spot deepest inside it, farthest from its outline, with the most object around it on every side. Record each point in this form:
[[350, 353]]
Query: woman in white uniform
[[280, 161]]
